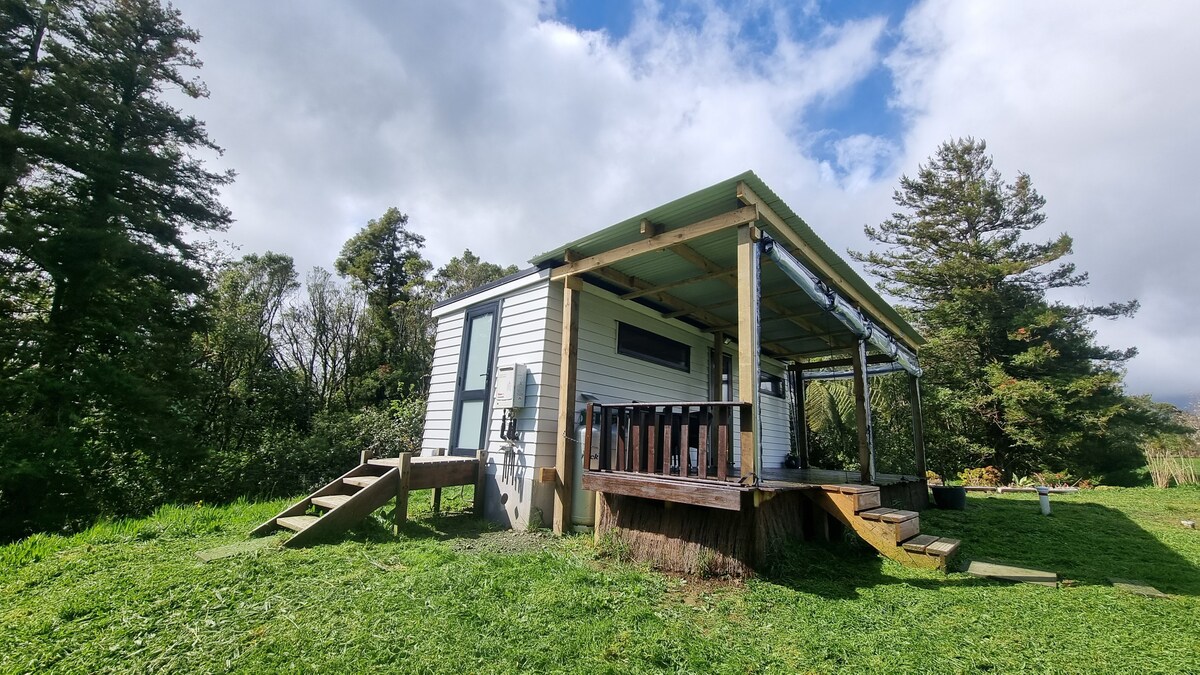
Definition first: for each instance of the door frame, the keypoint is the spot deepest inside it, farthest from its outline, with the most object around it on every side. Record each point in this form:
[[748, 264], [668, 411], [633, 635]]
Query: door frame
[[461, 394]]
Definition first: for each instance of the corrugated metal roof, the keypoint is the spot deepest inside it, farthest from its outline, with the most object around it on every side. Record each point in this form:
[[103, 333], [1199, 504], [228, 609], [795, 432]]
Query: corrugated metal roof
[[664, 267]]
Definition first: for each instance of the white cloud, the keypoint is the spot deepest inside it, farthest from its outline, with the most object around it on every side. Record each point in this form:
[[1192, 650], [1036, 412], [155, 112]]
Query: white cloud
[[1094, 101], [497, 127]]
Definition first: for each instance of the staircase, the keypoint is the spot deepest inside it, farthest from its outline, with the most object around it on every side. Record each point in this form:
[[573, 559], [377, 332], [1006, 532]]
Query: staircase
[[895, 533], [368, 486], [337, 506]]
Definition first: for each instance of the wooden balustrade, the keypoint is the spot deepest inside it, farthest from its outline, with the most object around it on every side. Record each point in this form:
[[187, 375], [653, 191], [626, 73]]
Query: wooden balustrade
[[678, 439]]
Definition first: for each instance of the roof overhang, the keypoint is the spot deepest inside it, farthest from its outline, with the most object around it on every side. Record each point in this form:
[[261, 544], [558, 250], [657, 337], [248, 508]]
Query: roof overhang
[[680, 259]]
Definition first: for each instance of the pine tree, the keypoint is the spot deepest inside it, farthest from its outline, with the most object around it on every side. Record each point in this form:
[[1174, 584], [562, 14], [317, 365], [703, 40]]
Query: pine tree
[[384, 261], [100, 194], [1013, 379]]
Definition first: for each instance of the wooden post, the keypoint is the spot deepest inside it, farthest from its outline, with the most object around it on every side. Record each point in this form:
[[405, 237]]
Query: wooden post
[[718, 367], [918, 423], [748, 348], [437, 491], [480, 481], [800, 418], [862, 414], [402, 491], [565, 450], [718, 391], [365, 456]]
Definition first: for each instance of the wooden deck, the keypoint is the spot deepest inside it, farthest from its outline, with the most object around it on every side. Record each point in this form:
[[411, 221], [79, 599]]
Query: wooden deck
[[435, 472], [726, 494]]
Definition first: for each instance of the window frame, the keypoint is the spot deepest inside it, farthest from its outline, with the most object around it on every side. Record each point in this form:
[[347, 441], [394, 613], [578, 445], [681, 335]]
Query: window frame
[[766, 378], [629, 330]]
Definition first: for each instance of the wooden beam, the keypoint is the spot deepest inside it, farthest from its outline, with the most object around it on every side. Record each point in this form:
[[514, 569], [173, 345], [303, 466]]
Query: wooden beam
[[733, 301], [918, 423], [809, 256], [694, 257], [727, 497], [680, 235], [862, 416], [676, 284], [661, 297], [568, 365], [748, 349], [790, 318]]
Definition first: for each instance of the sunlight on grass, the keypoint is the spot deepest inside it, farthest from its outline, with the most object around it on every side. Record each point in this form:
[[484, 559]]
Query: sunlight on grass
[[454, 594]]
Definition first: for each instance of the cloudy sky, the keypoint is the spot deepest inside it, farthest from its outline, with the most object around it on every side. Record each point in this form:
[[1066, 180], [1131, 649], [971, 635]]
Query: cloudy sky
[[510, 127]]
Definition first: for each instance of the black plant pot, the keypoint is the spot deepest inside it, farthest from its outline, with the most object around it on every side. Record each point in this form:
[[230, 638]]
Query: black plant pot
[[949, 497], [791, 462]]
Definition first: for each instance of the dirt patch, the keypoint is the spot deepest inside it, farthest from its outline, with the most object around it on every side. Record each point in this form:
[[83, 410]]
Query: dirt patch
[[504, 541], [701, 592]]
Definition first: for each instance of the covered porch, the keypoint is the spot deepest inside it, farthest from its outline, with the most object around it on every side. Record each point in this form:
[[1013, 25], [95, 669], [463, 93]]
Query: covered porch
[[734, 261]]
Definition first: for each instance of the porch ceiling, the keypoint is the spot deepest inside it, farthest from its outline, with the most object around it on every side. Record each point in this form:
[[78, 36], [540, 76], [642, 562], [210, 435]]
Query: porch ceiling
[[696, 280]]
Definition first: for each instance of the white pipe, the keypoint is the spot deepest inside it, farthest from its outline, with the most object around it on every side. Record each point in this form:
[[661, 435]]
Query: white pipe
[[843, 311], [1044, 499], [882, 369]]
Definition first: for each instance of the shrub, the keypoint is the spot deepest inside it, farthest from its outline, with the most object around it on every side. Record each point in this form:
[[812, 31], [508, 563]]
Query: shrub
[[988, 476], [933, 478]]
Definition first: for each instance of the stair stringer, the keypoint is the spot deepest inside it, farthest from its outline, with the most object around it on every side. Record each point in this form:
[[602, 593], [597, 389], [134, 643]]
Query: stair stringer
[[360, 505], [880, 535], [334, 487]]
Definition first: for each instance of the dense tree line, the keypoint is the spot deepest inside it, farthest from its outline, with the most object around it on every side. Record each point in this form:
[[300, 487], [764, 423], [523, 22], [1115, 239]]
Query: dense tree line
[[138, 367], [135, 366]]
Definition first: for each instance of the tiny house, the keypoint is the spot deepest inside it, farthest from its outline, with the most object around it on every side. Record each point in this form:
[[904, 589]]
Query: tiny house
[[648, 381]]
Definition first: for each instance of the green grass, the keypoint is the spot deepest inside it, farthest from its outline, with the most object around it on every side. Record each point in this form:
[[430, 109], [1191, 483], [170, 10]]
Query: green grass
[[453, 595]]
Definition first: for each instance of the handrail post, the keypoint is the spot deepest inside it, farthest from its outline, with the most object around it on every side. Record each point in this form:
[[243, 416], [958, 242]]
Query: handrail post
[[402, 482], [585, 454]]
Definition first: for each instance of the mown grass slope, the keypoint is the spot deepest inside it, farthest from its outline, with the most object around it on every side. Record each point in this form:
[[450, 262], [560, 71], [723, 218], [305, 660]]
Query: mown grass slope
[[453, 595]]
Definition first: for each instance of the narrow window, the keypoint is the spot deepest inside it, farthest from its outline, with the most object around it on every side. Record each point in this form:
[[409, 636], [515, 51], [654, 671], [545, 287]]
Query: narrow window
[[771, 385], [642, 344]]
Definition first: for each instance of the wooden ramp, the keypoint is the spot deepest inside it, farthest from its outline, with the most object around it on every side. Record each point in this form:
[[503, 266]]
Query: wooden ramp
[[895, 533], [356, 494]]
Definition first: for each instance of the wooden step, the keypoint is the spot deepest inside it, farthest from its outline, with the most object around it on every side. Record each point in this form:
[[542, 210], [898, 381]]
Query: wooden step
[[875, 514], [918, 543], [331, 501], [297, 523], [899, 516], [848, 489], [943, 547], [905, 529], [361, 481]]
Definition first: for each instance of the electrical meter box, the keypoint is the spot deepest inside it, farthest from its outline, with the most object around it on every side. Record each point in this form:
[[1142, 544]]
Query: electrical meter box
[[510, 386]]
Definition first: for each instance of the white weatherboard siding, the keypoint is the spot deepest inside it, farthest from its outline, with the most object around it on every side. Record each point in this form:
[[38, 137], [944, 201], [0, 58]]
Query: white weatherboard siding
[[512, 497], [440, 407], [530, 333]]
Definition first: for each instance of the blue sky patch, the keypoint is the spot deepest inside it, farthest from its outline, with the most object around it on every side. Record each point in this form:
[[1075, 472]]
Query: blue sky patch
[[861, 109]]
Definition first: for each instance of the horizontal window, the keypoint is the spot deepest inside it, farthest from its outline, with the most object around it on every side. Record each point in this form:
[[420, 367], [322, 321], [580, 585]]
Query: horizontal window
[[642, 344], [769, 384]]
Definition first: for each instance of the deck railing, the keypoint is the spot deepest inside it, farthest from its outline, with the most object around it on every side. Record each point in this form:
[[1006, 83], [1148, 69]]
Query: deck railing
[[680, 439]]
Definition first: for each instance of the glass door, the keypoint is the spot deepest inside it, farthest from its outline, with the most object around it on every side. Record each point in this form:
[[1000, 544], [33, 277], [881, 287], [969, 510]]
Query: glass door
[[472, 393]]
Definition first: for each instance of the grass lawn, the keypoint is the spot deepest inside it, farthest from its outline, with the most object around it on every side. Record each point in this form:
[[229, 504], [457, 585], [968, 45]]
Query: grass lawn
[[452, 595]]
